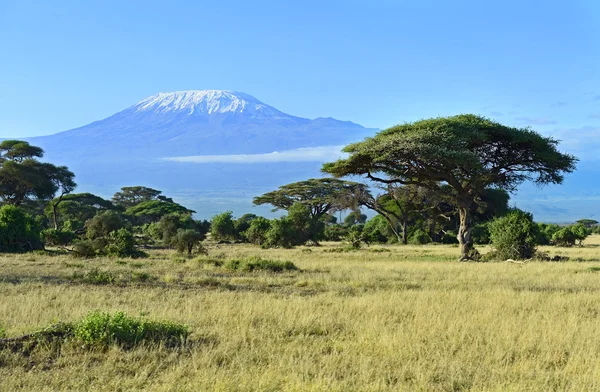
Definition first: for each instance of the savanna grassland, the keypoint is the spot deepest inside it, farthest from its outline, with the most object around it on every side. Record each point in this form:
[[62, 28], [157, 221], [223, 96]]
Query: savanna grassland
[[383, 318]]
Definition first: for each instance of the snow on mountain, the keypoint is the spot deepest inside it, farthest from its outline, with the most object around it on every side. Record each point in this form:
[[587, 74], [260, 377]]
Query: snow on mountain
[[207, 102]]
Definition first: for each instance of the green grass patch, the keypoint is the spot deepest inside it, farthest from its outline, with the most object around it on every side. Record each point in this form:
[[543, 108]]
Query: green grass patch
[[250, 264]]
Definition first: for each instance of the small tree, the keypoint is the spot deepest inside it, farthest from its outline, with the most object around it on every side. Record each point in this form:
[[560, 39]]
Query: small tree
[[18, 231], [186, 240], [514, 236], [468, 153], [223, 227], [103, 224], [131, 196], [257, 232]]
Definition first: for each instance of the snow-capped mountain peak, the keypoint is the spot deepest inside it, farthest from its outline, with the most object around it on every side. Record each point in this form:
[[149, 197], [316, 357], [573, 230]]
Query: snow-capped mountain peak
[[206, 102]]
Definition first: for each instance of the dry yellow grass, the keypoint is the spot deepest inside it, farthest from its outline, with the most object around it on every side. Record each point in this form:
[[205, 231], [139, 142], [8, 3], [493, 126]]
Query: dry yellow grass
[[406, 318]]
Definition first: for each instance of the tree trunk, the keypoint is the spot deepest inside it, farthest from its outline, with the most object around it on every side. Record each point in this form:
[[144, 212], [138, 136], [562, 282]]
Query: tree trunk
[[55, 215], [464, 232], [404, 233]]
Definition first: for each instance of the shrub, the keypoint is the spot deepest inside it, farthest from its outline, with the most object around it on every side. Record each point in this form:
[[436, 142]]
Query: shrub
[[84, 249], [188, 240], [570, 235], [99, 329], [18, 231], [257, 231], [514, 236], [258, 264], [547, 231], [223, 227], [335, 233], [377, 230], [355, 236], [95, 276], [280, 234], [419, 237], [121, 243], [102, 224], [481, 234], [53, 237]]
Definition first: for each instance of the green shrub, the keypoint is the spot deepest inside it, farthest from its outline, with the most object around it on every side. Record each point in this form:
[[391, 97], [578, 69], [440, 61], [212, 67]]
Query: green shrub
[[257, 231], [19, 232], [84, 249], [99, 329], [419, 237], [223, 227], [53, 237], [514, 236], [280, 234], [547, 231], [102, 224], [94, 276], [481, 234], [570, 235], [258, 264], [335, 233], [121, 243], [188, 241], [355, 236]]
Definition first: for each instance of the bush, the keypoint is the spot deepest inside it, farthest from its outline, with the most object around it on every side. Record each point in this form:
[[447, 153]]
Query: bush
[[257, 231], [258, 264], [335, 233], [94, 276], [547, 231], [355, 236], [223, 227], [481, 234], [53, 237], [104, 223], [377, 230], [84, 249], [18, 231], [570, 235], [121, 243], [514, 236], [99, 329], [419, 237], [280, 234]]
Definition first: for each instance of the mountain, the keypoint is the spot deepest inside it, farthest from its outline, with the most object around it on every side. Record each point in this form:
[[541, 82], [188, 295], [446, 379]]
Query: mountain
[[130, 147], [197, 123]]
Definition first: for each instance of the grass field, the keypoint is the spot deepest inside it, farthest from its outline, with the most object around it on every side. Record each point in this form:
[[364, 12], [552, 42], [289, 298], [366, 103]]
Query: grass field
[[384, 318]]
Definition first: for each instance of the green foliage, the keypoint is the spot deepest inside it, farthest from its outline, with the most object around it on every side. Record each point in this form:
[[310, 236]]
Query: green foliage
[[19, 232], [23, 177], [377, 230], [95, 277], [355, 218], [131, 196], [84, 249], [153, 210], [73, 210], [355, 236], [121, 243], [481, 234], [281, 233], [243, 223], [335, 232], [53, 237], [188, 241], [223, 227], [254, 263], [103, 224], [571, 235], [419, 237], [101, 330], [514, 236], [547, 231], [257, 231]]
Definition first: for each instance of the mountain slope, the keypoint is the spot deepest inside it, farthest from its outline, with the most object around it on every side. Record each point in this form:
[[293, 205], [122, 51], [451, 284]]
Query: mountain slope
[[197, 123]]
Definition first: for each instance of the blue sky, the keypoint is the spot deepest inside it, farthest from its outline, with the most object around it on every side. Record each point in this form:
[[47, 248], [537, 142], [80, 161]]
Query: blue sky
[[67, 63]]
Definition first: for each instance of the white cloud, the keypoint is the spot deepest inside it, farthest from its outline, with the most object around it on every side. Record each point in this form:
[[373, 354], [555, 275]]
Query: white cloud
[[308, 154]]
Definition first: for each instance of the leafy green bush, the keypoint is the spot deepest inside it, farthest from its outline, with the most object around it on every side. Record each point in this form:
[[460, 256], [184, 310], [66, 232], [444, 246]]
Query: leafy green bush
[[223, 227], [570, 235], [102, 224], [250, 264], [53, 237], [18, 231], [188, 241], [280, 234], [335, 232], [419, 237], [121, 243], [481, 234], [514, 236], [547, 231], [84, 249], [257, 231], [94, 276], [355, 236]]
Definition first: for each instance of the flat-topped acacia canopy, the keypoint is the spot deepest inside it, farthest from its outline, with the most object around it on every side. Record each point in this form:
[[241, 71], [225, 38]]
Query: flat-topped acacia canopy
[[468, 152]]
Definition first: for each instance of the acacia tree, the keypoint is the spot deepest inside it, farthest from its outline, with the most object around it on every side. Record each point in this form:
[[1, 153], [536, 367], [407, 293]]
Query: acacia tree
[[469, 153], [131, 196], [319, 195], [77, 208], [23, 177]]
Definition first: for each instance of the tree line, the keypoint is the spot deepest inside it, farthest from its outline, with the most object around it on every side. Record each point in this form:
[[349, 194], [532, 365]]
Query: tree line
[[443, 180]]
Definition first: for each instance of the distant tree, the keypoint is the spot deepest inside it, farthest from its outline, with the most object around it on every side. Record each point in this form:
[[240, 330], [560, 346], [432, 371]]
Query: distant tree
[[354, 218], [468, 153], [103, 224], [243, 223], [23, 177], [321, 196], [186, 240], [77, 208], [131, 196], [152, 210], [588, 223], [570, 235]]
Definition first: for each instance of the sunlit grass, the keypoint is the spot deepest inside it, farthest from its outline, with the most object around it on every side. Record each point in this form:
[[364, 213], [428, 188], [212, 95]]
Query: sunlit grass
[[405, 318]]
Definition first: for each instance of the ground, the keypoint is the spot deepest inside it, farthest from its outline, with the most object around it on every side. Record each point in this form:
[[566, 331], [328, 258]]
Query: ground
[[383, 318]]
